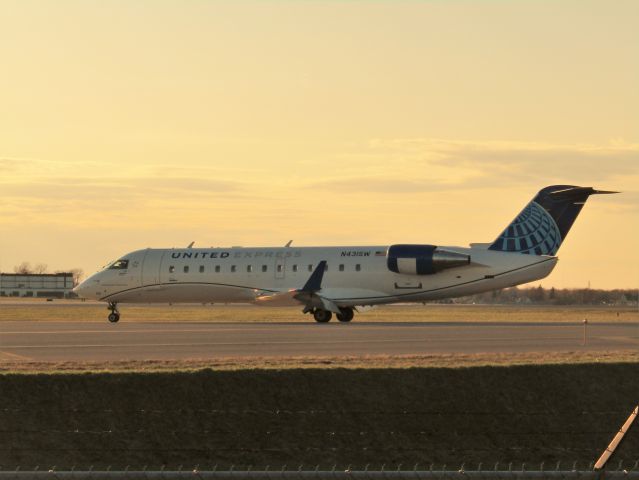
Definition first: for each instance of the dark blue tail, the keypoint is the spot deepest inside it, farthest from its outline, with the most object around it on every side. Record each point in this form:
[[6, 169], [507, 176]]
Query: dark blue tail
[[541, 227]]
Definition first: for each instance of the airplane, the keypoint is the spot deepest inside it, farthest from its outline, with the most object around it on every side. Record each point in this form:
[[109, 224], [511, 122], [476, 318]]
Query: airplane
[[340, 280]]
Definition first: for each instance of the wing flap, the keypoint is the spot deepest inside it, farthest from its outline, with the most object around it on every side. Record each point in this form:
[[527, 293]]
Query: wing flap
[[278, 299], [307, 295]]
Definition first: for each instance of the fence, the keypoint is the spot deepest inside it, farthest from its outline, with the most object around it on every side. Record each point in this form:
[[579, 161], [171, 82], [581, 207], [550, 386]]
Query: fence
[[416, 473]]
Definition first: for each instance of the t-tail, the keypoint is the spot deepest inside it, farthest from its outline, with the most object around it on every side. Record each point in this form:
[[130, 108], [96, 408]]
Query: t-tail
[[542, 226]]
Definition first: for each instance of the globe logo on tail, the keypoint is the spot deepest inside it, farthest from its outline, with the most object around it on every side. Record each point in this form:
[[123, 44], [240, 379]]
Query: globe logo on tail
[[534, 231]]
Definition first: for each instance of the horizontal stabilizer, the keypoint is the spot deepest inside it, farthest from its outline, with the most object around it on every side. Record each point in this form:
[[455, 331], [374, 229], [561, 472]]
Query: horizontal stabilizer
[[482, 246]]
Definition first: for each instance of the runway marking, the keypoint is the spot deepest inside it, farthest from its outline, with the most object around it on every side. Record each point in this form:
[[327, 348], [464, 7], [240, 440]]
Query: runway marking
[[64, 332], [309, 342], [265, 327], [621, 339], [15, 356]]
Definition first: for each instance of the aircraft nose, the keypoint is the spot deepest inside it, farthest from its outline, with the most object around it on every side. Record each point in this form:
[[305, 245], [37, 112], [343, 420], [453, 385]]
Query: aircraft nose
[[80, 289]]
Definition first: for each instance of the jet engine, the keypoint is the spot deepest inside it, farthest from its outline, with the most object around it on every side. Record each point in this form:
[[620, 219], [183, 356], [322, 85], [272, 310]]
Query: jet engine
[[422, 259]]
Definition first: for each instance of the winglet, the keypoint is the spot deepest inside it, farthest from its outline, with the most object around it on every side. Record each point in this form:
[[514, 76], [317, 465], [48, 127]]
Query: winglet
[[314, 282]]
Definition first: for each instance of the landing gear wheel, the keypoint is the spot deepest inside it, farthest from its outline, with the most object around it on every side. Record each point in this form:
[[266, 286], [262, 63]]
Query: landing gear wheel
[[346, 314], [322, 316], [114, 316]]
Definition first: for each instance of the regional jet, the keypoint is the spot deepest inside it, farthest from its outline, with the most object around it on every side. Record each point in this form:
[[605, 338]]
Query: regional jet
[[340, 280]]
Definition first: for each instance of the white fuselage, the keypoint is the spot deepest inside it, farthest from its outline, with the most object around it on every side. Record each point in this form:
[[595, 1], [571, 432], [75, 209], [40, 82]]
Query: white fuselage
[[355, 276]]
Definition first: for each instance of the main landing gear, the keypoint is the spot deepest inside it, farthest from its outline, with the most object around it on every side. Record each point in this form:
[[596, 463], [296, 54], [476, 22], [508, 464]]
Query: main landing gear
[[114, 316], [322, 316], [346, 314]]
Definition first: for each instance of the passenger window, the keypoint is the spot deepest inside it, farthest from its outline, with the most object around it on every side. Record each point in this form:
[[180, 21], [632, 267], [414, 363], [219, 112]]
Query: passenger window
[[295, 268], [358, 267], [201, 268], [341, 267], [264, 268], [171, 269], [249, 268], [233, 268], [119, 265], [186, 269], [310, 267], [217, 269], [279, 268]]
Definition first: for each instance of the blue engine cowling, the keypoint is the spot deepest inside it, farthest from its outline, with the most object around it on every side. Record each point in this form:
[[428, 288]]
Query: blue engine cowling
[[422, 259]]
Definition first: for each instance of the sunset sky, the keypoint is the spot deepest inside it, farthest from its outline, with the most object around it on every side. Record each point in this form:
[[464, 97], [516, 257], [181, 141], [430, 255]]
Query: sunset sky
[[132, 124]]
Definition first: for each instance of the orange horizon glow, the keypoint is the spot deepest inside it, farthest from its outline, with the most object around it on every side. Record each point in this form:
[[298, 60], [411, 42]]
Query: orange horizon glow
[[127, 125]]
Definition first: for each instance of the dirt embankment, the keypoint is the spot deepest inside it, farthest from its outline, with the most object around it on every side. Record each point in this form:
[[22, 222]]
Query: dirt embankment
[[314, 416]]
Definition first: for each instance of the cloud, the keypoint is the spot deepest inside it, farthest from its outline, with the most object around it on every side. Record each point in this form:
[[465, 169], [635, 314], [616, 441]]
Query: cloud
[[384, 185], [12, 164], [432, 165], [523, 159], [66, 199], [106, 188]]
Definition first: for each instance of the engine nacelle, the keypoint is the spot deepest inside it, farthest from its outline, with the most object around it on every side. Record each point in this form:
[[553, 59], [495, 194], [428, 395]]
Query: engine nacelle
[[422, 259]]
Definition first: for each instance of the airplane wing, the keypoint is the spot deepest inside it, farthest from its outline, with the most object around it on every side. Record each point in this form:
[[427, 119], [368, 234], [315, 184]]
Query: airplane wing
[[307, 295]]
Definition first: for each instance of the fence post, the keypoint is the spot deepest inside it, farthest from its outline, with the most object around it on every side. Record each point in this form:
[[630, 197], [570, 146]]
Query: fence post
[[585, 331]]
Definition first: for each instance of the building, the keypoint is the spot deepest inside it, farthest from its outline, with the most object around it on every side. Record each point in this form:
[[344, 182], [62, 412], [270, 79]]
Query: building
[[50, 285]]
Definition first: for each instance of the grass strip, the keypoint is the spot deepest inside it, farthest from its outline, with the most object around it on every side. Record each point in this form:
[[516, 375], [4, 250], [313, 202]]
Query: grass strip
[[311, 416]]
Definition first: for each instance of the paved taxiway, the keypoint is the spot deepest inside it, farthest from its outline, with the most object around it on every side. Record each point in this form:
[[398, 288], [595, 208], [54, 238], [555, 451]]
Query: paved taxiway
[[73, 341]]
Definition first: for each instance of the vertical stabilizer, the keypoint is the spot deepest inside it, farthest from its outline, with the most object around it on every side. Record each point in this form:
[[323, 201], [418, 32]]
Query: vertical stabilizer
[[542, 226]]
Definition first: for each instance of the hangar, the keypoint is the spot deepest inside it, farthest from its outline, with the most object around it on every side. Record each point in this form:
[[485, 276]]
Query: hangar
[[50, 285]]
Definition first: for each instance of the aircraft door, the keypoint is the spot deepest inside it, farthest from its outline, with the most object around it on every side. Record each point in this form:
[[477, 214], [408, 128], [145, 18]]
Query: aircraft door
[[151, 267], [280, 267]]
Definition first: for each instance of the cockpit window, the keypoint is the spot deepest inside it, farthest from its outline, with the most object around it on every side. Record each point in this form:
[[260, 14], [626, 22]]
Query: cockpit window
[[119, 265]]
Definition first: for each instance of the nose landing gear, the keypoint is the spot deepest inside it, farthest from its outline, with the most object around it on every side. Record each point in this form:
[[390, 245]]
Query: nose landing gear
[[114, 316]]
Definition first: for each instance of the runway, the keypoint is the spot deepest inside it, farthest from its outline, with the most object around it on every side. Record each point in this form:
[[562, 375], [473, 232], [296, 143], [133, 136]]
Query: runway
[[74, 341]]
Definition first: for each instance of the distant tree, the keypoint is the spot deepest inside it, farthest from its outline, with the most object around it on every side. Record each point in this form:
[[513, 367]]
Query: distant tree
[[24, 268], [40, 268], [537, 295], [78, 274]]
